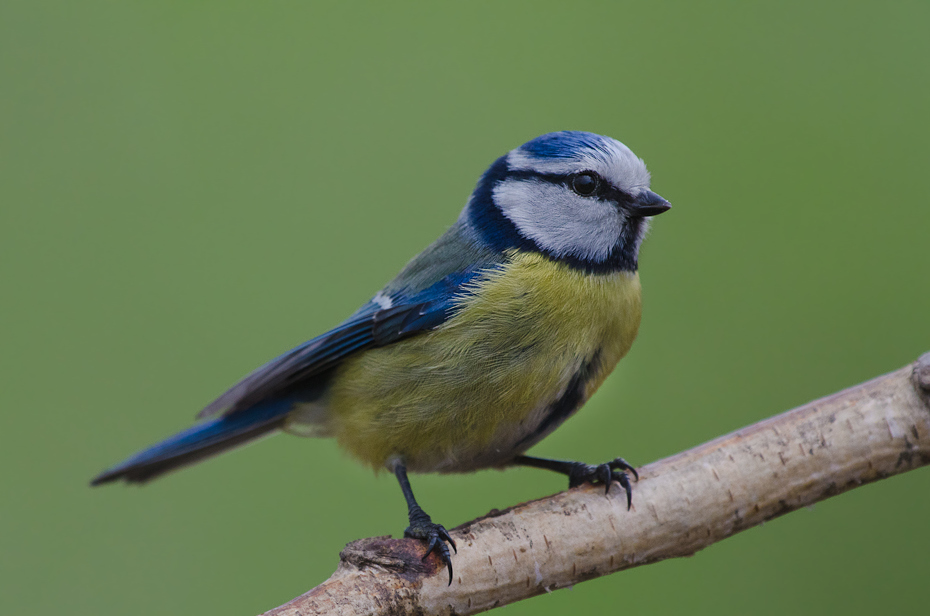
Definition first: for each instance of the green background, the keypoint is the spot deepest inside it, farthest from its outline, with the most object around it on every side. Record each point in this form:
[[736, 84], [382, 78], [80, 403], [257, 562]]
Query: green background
[[190, 188]]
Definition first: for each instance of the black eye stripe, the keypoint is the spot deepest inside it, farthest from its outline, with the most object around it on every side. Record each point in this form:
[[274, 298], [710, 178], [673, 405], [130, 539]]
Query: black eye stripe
[[605, 189]]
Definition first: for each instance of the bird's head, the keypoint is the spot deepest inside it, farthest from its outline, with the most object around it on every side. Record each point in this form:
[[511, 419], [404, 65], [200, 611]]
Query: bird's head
[[577, 197]]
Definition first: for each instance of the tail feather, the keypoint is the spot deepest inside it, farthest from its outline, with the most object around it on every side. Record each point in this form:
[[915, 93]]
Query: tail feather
[[197, 443]]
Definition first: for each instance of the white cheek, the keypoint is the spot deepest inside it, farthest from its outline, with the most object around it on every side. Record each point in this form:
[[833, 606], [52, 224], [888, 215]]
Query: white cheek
[[558, 220]]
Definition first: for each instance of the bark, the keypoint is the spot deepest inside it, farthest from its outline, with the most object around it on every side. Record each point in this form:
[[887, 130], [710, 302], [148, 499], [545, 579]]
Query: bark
[[682, 504]]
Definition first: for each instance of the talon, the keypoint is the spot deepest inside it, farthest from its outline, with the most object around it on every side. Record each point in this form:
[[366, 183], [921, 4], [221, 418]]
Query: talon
[[607, 476], [435, 536], [607, 473], [623, 465], [447, 537], [624, 482], [433, 543]]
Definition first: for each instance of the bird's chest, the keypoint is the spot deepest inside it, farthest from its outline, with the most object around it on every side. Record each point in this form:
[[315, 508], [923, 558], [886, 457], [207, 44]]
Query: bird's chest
[[552, 335], [529, 345]]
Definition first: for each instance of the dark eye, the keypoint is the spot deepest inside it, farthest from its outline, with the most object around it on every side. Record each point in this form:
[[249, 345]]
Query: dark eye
[[585, 184]]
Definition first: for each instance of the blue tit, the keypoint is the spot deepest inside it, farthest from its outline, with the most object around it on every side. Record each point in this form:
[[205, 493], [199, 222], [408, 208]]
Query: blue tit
[[483, 344]]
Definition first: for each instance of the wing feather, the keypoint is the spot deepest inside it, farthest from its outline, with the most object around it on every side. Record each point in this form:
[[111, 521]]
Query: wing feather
[[371, 326]]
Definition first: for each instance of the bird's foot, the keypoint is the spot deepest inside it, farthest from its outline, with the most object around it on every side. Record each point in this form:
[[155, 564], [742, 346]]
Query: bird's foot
[[607, 473], [435, 535], [579, 472]]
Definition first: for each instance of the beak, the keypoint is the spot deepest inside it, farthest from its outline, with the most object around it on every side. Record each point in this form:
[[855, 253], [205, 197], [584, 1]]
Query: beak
[[648, 204]]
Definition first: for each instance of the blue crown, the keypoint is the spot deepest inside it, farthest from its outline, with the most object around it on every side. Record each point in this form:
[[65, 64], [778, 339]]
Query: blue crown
[[565, 144]]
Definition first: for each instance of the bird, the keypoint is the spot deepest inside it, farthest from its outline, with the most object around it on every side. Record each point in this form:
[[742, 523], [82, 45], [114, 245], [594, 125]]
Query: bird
[[482, 345]]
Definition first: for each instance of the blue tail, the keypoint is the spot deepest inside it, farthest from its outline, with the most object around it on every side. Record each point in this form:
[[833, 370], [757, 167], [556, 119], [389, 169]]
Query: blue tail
[[199, 442]]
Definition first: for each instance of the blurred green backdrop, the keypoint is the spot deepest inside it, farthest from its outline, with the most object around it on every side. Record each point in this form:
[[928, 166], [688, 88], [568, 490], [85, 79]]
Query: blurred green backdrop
[[189, 188]]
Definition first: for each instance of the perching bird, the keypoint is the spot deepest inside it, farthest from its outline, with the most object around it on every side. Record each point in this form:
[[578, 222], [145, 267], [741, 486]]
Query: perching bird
[[483, 344]]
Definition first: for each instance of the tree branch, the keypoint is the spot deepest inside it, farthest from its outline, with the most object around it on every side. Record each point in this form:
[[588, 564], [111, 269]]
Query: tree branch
[[683, 504]]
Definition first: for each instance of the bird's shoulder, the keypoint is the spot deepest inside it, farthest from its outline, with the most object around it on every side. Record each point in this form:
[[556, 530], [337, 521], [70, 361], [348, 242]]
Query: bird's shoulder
[[457, 250]]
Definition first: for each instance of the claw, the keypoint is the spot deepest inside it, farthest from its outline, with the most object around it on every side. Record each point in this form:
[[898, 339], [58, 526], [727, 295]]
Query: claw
[[607, 476], [447, 537], [432, 545], [624, 482], [436, 543], [622, 465], [606, 473], [436, 537]]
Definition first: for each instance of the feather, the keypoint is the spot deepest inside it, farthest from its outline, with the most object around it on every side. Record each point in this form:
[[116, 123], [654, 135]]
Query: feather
[[197, 443]]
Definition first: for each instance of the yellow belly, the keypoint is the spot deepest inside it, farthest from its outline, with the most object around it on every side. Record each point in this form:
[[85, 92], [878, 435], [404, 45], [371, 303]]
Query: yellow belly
[[469, 394]]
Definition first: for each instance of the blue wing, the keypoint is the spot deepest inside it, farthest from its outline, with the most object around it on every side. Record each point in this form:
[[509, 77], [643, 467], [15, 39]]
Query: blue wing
[[260, 402], [385, 319], [422, 297]]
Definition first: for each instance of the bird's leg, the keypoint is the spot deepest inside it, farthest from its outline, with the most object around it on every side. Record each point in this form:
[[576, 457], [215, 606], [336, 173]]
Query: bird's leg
[[421, 525], [579, 472]]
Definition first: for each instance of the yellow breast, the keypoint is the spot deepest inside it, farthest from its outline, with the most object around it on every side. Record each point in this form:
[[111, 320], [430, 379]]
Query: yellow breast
[[471, 393]]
